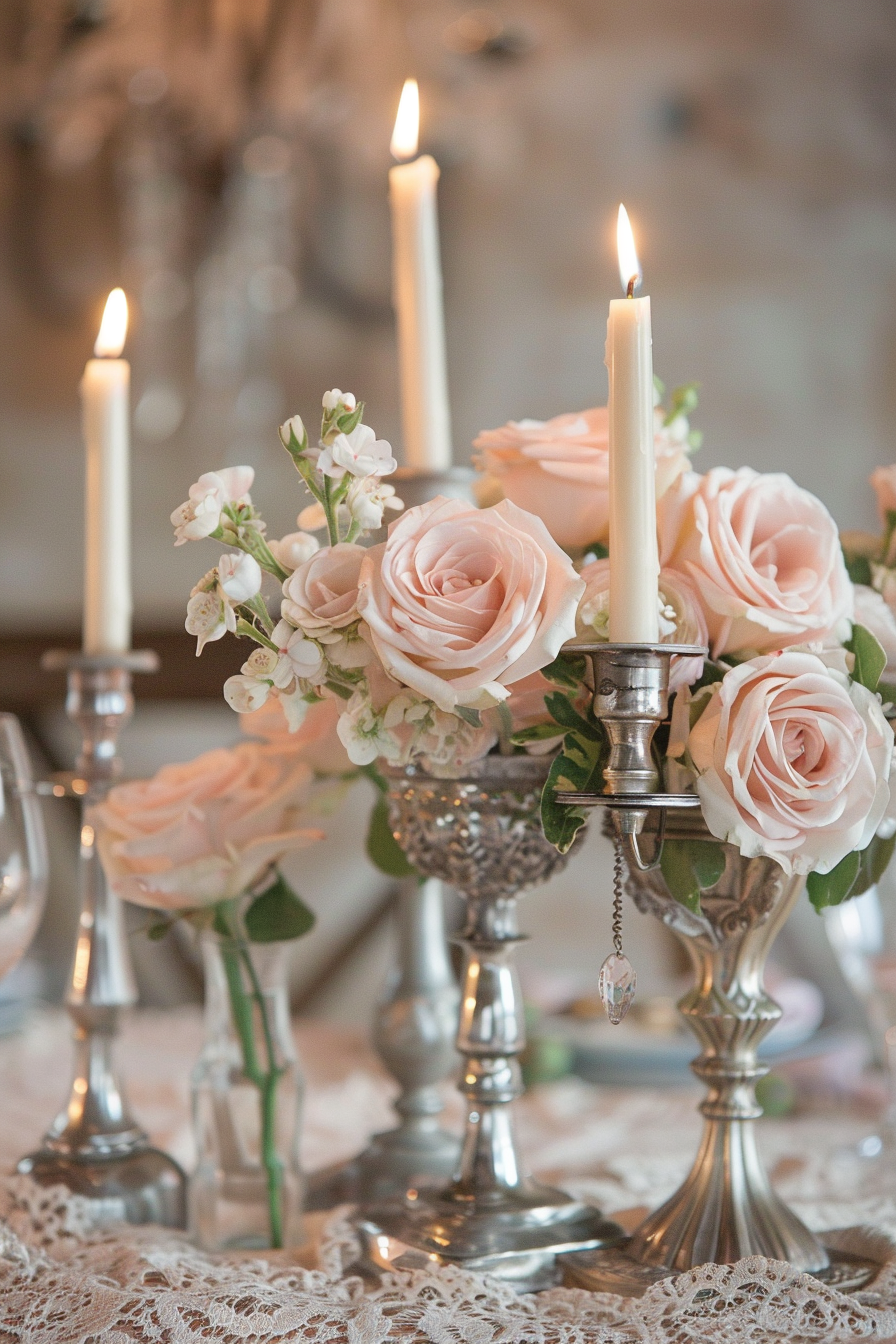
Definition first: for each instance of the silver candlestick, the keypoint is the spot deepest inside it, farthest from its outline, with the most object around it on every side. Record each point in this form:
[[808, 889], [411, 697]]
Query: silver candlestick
[[483, 834], [726, 1208], [416, 1021], [95, 1146]]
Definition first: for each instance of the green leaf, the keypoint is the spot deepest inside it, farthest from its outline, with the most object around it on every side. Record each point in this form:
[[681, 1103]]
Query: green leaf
[[887, 693], [689, 867], [375, 777], [383, 849], [471, 716], [832, 888], [598, 550], [580, 765], [874, 860], [156, 932], [684, 401], [562, 711], [870, 657], [566, 670], [350, 420], [539, 732], [278, 915], [858, 567]]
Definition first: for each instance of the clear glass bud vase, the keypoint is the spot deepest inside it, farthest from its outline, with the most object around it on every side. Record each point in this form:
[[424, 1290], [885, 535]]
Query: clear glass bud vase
[[247, 1090]]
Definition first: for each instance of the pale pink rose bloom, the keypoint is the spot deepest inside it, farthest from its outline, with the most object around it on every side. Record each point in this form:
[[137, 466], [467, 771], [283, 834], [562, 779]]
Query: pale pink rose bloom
[[877, 616], [763, 554], [681, 618], [316, 742], [883, 481], [322, 594], [205, 831], [793, 762], [460, 603], [559, 470], [201, 514]]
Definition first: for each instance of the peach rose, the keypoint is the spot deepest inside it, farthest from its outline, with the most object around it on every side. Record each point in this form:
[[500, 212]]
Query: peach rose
[[460, 602], [560, 469], [206, 831], [322, 594], [793, 761], [883, 481], [763, 554], [316, 742], [681, 618]]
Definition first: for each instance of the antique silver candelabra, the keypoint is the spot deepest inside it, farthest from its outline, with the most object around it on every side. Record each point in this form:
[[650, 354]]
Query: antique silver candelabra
[[95, 1146], [726, 1208], [483, 835]]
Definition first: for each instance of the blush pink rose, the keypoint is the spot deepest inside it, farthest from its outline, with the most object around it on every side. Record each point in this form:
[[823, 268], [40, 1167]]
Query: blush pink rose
[[793, 761], [763, 554], [681, 618], [883, 481], [460, 603], [560, 470], [322, 594], [316, 742], [206, 831]]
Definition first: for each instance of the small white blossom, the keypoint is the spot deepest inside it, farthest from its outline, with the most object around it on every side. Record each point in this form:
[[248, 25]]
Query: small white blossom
[[296, 547], [245, 694], [360, 453], [334, 399], [363, 734], [261, 663], [239, 576], [293, 427], [209, 617], [366, 500], [200, 515]]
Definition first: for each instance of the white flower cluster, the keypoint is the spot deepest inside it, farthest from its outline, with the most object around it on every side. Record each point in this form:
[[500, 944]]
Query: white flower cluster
[[410, 727]]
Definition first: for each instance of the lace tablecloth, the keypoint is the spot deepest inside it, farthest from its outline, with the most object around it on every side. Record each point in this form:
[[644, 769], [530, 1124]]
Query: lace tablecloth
[[62, 1282]]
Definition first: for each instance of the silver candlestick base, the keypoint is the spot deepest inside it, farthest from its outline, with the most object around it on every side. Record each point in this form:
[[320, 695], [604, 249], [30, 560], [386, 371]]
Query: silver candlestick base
[[94, 1146], [416, 1022], [413, 1032], [483, 835]]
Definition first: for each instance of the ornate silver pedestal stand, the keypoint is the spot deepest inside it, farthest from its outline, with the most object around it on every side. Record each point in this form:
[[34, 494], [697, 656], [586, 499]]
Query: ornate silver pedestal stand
[[726, 1208], [94, 1146], [416, 1022], [483, 835]]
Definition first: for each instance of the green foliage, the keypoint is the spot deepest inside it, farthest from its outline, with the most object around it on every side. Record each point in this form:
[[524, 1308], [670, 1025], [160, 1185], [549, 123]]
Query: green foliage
[[874, 860], [578, 767], [566, 670], [539, 732], [858, 567], [683, 402], [834, 887], [383, 849], [689, 867], [471, 716], [869, 655], [278, 914], [350, 420]]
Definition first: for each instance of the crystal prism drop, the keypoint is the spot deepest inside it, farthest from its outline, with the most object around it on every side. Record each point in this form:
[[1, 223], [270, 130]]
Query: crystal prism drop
[[616, 986]]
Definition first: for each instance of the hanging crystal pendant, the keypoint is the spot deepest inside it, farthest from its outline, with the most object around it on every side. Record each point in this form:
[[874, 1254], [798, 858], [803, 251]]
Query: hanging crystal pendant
[[616, 986]]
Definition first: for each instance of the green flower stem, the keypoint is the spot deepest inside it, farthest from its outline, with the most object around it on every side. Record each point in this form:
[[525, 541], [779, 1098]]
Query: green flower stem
[[354, 531], [251, 631], [235, 954], [255, 545]]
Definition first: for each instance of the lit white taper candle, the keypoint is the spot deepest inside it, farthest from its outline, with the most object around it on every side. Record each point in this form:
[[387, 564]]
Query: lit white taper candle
[[634, 564], [417, 289], [105, 417]]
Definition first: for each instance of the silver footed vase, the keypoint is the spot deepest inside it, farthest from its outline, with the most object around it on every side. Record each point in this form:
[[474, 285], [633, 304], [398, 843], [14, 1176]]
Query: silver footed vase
[[482, 834], [726, 1208]]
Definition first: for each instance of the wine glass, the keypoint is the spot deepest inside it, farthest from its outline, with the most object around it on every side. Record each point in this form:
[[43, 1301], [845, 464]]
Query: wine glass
[[23, 847], [862, 933]]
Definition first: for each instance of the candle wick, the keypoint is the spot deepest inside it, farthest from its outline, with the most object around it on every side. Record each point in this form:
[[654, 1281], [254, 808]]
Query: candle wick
[[632, 285]]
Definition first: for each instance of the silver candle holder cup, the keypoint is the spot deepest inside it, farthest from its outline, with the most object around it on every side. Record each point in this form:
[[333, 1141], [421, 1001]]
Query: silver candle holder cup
[[631, 699]]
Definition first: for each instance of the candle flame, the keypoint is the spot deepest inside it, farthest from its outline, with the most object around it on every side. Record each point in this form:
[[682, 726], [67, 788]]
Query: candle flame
[[114, 326], [629, 266], [407, 123]]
